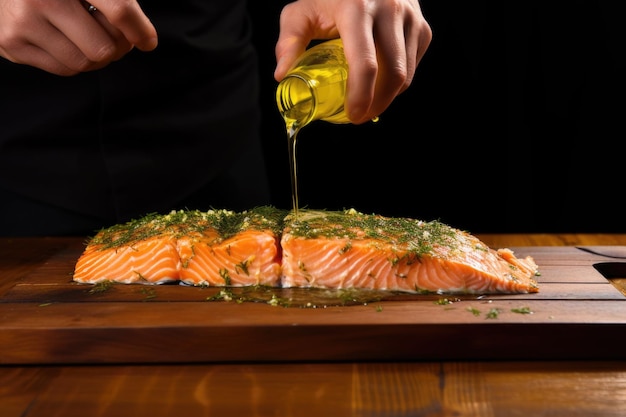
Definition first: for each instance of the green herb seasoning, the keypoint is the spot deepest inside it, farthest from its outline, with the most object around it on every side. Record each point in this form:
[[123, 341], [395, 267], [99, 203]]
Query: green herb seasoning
[[474, 311], [414, 236], [493, 313], [101, 286], [417, 237], [443, 301], [179, 223], [149, 292], [407, 241]]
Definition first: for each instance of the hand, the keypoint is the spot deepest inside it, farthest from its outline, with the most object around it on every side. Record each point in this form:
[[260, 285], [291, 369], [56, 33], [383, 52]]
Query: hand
[[384, 41], [63, 38]]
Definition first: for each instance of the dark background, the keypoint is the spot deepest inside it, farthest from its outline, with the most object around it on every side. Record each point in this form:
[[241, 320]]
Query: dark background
[[514, 123]]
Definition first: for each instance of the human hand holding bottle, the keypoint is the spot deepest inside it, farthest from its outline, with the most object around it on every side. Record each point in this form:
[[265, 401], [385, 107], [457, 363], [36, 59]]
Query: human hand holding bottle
[[62, 37], [383, 41]]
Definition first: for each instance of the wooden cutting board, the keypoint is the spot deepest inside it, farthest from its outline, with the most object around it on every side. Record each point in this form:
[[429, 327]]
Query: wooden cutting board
[[47, 318]]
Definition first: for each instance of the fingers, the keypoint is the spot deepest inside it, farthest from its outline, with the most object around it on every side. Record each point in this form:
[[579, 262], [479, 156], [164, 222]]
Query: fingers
[[130, 20], [419, 35], [384, 41], [383, 46], [40, 58], [121, 44], [363, 73], [400, 38], [64, 38], [83, 41], [296, 32]]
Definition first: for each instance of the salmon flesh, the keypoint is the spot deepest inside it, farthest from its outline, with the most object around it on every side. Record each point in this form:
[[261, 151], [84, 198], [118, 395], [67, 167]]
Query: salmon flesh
[[317, 249]]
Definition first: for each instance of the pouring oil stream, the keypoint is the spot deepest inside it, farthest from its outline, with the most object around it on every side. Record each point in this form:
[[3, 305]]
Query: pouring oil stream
[[313, 89]]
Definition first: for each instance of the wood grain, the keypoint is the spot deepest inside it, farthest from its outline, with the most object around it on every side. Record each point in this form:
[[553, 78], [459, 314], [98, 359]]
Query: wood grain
[[504, 240], [348, 387], [474, 389], [576, 315]]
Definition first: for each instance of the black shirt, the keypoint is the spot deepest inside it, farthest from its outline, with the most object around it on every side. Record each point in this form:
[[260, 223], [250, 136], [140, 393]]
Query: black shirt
[[170, 128]]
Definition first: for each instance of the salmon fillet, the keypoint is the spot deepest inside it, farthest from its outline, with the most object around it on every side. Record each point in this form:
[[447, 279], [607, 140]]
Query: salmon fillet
[[152, 260], [318, 249], [323, 249], [216, 247]]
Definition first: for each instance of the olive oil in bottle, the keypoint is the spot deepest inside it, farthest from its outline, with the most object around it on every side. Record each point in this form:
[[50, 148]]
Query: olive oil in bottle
[[313, 89]]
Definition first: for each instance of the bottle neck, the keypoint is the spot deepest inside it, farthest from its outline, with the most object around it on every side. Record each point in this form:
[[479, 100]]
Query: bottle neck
[[296, 99]]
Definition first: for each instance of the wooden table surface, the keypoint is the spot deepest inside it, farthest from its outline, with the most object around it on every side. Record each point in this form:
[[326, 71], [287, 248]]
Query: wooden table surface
[[361, 388]]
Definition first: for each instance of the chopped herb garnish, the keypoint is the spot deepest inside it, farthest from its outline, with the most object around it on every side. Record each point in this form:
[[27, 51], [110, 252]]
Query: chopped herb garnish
[[474, 311], [243, 266], [522, 310], [493, 313], [416, 236], [225, 276], [276, 301], [346, 248], [225, 294], [406, 241], [179, 223], [101, 286], [149, 292]]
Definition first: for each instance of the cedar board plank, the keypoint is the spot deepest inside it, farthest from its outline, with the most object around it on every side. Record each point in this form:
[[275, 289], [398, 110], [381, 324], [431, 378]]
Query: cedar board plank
[[47, 318]]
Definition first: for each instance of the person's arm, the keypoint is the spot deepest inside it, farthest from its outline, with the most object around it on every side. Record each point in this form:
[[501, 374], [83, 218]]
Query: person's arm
[[384, 41], [62, 37]]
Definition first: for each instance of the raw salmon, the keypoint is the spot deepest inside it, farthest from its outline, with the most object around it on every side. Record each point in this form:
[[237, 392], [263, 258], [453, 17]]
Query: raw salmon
[[318, 249], [152, 260], [349, 249], [216, 247]]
